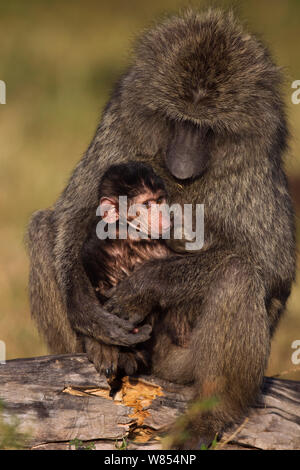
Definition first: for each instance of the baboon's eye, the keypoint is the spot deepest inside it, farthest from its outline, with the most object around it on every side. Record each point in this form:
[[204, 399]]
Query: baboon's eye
[[160, 200]]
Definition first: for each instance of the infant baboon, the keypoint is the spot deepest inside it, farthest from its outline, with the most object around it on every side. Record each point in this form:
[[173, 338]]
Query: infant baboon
[[106, 260], [109, 260]]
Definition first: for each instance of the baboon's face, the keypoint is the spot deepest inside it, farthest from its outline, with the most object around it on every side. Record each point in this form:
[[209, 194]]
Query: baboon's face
[[144, 211]]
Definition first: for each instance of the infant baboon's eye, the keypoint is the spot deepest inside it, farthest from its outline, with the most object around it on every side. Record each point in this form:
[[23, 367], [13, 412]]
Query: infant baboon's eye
[[160, 200]]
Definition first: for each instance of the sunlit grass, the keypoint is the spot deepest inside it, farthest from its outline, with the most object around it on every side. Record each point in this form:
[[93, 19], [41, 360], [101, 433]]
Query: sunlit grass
[[10, 436]]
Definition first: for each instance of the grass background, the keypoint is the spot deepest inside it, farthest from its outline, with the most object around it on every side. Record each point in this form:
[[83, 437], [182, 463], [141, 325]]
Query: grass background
[[59, 60]]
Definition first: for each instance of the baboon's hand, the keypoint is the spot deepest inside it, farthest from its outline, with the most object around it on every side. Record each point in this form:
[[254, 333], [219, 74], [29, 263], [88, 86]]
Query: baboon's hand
[[117, 331], [89, 318], [131, 362], [103, 356], [131, 301], [128, 363]]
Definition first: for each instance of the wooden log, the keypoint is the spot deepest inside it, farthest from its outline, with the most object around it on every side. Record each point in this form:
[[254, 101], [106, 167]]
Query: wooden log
[[61, 398]]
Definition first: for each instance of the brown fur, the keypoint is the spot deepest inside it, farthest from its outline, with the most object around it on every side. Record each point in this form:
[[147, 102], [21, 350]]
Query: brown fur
[[206, 74], [119, 258]]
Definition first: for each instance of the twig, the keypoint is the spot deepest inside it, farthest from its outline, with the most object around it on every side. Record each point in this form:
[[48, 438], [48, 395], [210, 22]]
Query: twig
[[230, 438], [286, 372]]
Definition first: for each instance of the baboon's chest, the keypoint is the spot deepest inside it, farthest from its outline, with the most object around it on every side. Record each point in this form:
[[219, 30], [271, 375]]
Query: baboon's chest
[[123, 258]]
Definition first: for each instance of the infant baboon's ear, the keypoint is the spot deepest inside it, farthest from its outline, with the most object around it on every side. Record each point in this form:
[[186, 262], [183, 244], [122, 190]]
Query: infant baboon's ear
[[109, 210]]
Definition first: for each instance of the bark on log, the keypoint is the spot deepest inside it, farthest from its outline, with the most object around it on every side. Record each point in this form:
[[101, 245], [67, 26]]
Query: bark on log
[[61, 398]]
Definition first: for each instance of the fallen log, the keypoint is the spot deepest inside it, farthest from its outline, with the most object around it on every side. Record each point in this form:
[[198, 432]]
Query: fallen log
[[59, 399]]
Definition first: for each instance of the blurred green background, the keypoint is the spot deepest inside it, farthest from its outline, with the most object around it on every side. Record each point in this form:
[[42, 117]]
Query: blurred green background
[[59, 60]]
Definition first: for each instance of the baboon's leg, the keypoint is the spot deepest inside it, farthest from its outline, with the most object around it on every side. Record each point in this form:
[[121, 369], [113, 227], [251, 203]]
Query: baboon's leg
[[228, 351], [47, 307]]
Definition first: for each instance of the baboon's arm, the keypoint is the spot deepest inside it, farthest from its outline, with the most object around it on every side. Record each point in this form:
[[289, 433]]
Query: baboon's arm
[[74, 214], [86, 315], [89, 318], [164, 283]]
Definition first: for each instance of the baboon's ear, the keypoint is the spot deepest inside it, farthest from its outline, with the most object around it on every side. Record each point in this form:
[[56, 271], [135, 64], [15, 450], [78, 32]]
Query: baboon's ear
[[187, 153], [109, 210]]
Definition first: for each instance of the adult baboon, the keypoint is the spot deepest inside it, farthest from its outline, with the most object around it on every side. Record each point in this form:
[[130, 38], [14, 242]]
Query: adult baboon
[[201, 104]]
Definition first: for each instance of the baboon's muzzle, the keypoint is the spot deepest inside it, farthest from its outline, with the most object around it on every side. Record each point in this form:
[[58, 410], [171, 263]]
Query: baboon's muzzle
[[187, 153]]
